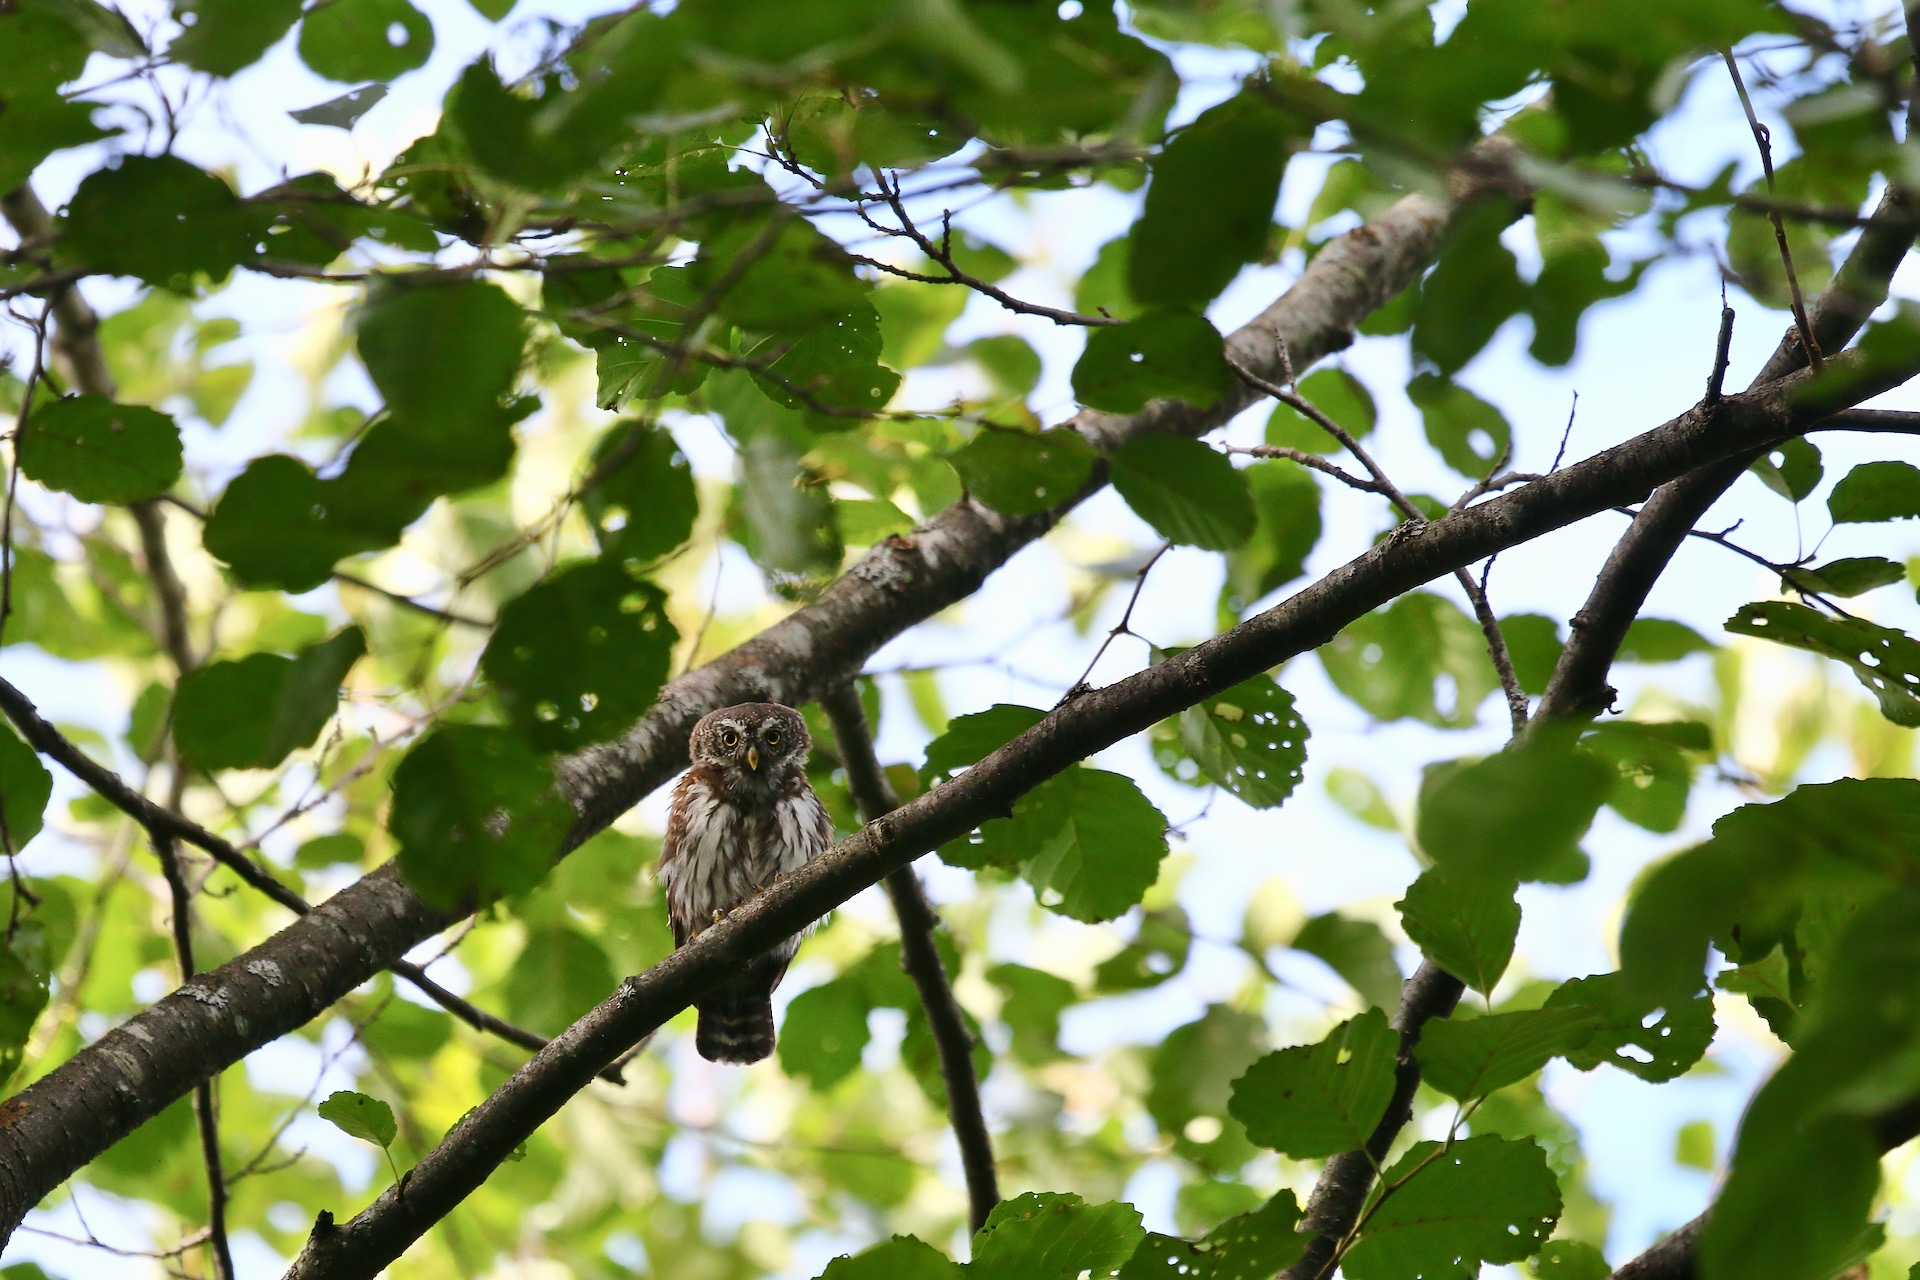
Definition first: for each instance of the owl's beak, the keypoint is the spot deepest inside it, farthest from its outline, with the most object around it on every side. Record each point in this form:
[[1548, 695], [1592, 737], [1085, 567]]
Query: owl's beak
[[753, 758]]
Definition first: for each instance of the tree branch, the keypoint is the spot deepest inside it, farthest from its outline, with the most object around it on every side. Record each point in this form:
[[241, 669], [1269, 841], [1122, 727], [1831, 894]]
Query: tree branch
[[897, 584], [921, 958], [1095, 720]]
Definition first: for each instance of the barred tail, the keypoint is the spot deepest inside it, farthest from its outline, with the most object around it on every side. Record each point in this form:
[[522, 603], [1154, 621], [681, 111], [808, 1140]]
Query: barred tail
[[736, 1021]]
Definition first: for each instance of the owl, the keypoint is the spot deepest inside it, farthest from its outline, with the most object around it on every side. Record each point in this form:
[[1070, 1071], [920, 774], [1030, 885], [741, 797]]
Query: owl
[[742, 817]]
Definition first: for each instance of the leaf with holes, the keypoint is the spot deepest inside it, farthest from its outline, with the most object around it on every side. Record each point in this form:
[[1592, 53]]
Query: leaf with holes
[[223, 36], [1471, 1058], [1189, 493], [644, 504], [1252, 1246], [1876, 491], [1653, 1042], [1194, 1068], [360, 1116], [1465, 925], [1316, 1100], [100, 451], [900, 1258], [1249, 739], [1420, 658], [1021, 474], [353, 40], [1048, 1236], [1164, 355], [1884, 660], [1468, 432], [578, 657], [254, 713], [1483, 1199], [1848, 576], [1791, 469], [475, 815]]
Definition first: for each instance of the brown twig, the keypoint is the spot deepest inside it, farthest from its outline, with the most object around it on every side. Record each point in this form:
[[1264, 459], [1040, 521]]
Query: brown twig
[[1124, 627], [1497, 651], [1312, 461], [1722, 348], [1762, 138], [921, 958]]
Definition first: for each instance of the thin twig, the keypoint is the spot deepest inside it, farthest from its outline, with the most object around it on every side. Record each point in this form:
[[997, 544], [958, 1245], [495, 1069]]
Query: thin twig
[[408, 602], [1312, 461], [1497, 652], [32, 384], [1717, 378], [205, 1116], [1762, 138], [1123, 627], [920, 957]]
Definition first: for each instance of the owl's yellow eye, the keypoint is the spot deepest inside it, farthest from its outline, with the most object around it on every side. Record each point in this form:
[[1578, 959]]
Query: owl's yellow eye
[[729, 739], [773, 737]]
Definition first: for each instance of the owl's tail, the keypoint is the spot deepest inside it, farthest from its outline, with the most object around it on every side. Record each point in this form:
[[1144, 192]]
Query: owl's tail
[[736, 1021]]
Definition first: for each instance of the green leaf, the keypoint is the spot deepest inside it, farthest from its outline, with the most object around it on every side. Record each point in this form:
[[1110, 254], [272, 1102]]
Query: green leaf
[[475, 814], [1653, 771], [1358, 952], [254, 713], [1194, 1068], [1662, 640], [1047, 1236], [970, 739], [1209, 206], [1886, 661], [1517, 814], [99, 451], [786, 517], [1465, 925], [156, 218], [351, 40], [1317, 1100], [1482, 1199], [1090, 841], [1158, 952], [493, 10], [1163, 355], [360, 1116], [223, 36], [1875, 491], [1334, 392], [26, 973], [1849, 576], [1188, 492], [558, 977], [900, 1258], [1257, 1244], [833, 365], [1534, 645], [1249, 739], [278, 525], [1791, 469], [1470, 434], [1570, 1260], [801, 280], [344, 111], [824, 1034], [1472, 1058], [1420, 658], [1665, 1041], [1464, 300], [1034, 1001], [1286, 510], [576, 658], [1020, 474], [1009, 361], [643, 504], [442, 353]]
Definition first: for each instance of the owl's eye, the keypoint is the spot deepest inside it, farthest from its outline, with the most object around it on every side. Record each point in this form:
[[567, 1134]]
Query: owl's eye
[[773, 737], [729, 739]]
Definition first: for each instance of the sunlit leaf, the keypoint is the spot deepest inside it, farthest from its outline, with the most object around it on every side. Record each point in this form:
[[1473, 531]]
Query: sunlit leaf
[[1316, 1100], [1481, 1199]]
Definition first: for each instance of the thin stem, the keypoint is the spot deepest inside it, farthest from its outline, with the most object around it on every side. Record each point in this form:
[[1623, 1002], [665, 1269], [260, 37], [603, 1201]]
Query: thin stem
[[1122, 628], [1762, 139], [920, 957]]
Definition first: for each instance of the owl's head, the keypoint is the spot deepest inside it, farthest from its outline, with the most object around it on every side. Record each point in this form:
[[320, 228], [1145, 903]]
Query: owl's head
[[757, 745]]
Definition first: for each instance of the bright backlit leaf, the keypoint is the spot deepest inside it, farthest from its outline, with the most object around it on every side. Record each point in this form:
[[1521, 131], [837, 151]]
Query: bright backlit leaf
[[1316, 1100], [1482, 1199]]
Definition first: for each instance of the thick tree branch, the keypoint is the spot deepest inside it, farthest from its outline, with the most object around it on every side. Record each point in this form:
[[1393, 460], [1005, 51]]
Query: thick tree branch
[[921, 958], [1416, 554]]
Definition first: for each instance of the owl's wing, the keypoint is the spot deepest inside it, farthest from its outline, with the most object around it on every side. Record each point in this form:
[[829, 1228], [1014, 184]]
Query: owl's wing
[[670, 855]]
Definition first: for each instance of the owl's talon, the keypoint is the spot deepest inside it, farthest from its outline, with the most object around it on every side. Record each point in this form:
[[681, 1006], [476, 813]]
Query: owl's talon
[[718, 915]]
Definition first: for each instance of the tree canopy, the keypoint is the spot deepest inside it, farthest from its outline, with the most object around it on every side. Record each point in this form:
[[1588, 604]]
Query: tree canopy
[[1315, 792]]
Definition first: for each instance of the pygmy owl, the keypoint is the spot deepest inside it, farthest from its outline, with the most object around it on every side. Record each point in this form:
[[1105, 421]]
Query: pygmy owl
[[742, 816]]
